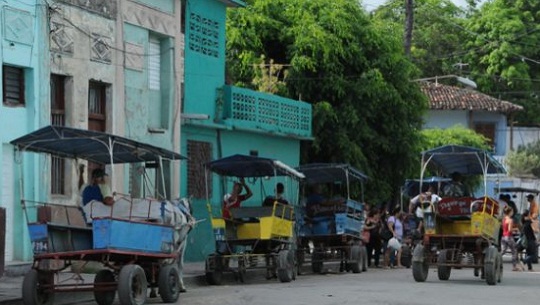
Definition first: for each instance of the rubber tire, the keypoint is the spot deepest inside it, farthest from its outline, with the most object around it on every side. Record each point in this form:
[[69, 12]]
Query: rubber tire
[[364, 255], [316, 263], [214, 276], [443, 271], [420, 267], [492, 266], [31, 293], [104, 297], [285, 266], [355, 263], [169, 283], [132, 285]]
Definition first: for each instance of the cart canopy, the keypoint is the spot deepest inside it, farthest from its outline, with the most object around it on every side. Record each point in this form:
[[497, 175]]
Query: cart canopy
[[462, 159], [331, 172], [411, 187], [250, 166], [99, 147]]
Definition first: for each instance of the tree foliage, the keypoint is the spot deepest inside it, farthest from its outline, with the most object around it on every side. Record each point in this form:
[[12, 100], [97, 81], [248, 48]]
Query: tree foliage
[[525, 161], [366, 111]]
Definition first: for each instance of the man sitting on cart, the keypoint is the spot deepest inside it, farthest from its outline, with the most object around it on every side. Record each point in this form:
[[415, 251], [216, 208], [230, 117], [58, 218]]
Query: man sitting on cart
[[455, 188], [279, 197], [98, 190], [235, 198]]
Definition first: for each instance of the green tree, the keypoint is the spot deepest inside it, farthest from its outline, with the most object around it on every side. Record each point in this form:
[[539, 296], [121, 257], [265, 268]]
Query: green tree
[[456, 135], [503, 49], [366, 110], [437, 37], [525, 161]]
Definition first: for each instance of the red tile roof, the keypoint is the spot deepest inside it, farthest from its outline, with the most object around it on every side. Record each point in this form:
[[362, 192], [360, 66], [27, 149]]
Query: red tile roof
[[445, 97]]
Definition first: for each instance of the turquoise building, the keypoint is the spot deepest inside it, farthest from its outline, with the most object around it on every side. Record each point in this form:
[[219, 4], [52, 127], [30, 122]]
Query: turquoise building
[[219, 120], [23, 38]]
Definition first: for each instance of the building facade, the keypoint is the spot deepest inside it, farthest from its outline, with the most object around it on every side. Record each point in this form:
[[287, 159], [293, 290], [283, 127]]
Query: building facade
[[221, 120]]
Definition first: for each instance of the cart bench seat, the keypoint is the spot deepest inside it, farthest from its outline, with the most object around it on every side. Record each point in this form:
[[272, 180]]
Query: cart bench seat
[[253, 214]]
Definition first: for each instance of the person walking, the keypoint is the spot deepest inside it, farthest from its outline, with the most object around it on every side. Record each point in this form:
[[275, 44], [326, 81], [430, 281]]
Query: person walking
[[508, 243], [528, 235], [374, 244]]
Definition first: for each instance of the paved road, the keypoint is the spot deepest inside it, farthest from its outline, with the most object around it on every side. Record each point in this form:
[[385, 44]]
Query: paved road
[[377, 286]]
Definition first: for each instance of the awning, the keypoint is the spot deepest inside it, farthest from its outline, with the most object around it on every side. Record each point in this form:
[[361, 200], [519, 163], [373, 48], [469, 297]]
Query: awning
[[462, 159], [67, 142]]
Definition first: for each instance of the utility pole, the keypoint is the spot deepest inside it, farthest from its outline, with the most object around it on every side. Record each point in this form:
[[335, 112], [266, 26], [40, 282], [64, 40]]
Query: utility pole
[[409, 20]]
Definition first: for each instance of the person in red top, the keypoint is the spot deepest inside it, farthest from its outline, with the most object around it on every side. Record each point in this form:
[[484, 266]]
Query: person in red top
[[235, 198], [507, 241]]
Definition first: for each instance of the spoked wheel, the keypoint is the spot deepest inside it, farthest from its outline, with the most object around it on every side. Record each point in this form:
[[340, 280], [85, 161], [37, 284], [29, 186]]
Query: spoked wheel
[[242, 269], [104, 287], [420, 266], [214, 269], [169, 283], [37, 287], [132, 285], [285, 268], [443, 271], [492, 266], [355, 263]]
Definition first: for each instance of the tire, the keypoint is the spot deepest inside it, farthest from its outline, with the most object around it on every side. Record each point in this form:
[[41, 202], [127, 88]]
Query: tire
[[102, 296], [363, 252], [406, 256], [32, 291], [443, 271], [132, 285], [316, 262], [169, 283], [214, 270], [492, 266], [420, 266], [355, 263], [285, 270]]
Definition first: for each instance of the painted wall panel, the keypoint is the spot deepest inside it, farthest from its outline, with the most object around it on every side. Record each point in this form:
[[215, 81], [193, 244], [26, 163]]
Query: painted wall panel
[[162, 5]]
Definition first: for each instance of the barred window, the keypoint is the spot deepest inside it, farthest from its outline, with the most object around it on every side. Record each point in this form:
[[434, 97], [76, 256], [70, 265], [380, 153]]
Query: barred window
[[13, 86], [58, 165]]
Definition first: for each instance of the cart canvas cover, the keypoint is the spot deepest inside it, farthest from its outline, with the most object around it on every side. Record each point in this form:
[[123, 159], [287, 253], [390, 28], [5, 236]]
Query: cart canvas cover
[[250, 166], [91, 145]]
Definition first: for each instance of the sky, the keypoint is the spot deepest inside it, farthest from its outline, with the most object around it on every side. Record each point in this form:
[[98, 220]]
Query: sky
[[373, 4]]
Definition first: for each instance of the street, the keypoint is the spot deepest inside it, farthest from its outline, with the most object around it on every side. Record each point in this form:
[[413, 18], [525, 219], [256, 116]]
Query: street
[[376, 286]]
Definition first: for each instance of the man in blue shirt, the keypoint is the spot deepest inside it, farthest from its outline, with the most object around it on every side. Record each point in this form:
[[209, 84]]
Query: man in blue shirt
[[98, 189]]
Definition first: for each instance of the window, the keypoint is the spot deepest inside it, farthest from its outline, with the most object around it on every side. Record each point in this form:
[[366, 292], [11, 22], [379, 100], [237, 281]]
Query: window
[[97, 113], [488, 131], [160, 81], [97, 101], [13, 86], [199, 153], [154, 65], [58, 165]]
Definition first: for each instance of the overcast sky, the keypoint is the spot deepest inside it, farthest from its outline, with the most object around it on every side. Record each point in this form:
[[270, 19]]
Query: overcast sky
[[373, 4]]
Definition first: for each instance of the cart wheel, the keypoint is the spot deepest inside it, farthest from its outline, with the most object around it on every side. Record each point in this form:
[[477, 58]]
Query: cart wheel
[[101, 295], [316, 262], [420, 266], [492, 266], [132, 285], [169, 283], [285, 270], [242, 269], [443, 271], [364, 255], [355, 263], [33, 290], [214, 269]]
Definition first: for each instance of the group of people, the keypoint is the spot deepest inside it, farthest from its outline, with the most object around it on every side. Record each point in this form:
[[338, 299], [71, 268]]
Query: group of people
[[526, 227]]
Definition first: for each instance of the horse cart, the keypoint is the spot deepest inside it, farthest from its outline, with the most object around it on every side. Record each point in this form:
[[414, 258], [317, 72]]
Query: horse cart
[[254, 236], [460, 232], [330, 227], [137, 243]]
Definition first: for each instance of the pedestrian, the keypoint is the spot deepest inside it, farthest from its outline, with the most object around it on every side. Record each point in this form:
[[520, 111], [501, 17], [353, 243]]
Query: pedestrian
[[374, 244], [507, 241], [530, 239], [393, 248]]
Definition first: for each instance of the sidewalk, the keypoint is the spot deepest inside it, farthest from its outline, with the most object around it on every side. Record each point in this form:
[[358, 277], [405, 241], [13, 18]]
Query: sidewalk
[[11, 286]]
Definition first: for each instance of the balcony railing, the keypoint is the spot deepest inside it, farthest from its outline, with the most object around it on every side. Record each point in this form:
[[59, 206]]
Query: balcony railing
[[256, 110]]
